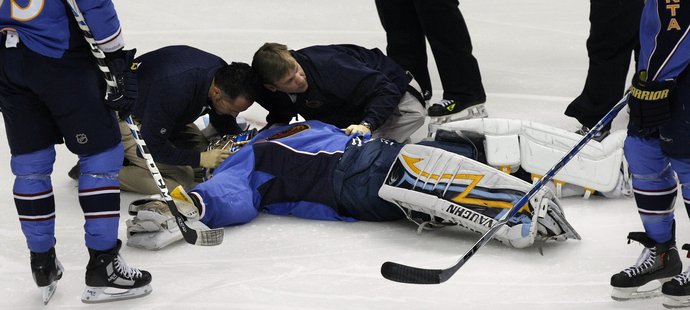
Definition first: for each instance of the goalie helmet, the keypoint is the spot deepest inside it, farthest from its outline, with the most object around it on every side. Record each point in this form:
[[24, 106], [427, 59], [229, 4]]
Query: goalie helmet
[[232, 143]]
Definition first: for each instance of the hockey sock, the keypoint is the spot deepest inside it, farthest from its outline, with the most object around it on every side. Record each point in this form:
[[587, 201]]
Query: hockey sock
[[33, 197], [99, 197]]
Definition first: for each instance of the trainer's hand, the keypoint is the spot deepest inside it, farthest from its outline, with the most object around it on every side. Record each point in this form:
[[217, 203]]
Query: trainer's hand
[[356, 129], [212, 159]]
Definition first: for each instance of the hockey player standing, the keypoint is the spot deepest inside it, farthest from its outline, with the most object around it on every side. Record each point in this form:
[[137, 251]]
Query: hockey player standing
[[354, 88], [51, 89], [658, 144]]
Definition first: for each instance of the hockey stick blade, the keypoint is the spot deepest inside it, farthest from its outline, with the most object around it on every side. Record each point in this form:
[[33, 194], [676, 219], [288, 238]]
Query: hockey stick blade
[[413, 275], [408, 274], [205, 237]]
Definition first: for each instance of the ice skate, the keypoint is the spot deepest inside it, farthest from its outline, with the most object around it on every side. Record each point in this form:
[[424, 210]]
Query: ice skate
[[46, 270], [452, 110], [108, 278], [677, 291], [658, 261]]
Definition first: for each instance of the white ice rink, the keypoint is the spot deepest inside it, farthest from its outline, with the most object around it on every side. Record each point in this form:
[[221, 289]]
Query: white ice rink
[[533, 61]]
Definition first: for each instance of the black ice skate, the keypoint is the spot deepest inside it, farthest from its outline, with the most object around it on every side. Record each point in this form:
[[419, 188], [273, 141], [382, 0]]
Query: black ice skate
[[108, 278], [658, 261], [454, 110], [677, 291], [47, 270]]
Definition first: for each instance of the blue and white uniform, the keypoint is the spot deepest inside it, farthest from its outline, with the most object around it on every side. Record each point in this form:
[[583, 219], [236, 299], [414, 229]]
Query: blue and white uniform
[[665, 54], [310, 170], [52, 91]]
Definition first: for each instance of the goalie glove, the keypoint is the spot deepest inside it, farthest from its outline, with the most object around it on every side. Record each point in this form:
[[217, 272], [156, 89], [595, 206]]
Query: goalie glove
[[649, 103], [120, 64], [153, 226]]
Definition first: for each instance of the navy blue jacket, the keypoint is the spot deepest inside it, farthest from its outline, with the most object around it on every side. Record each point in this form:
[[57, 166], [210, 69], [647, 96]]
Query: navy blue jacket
[[347, 84], [173, 91]]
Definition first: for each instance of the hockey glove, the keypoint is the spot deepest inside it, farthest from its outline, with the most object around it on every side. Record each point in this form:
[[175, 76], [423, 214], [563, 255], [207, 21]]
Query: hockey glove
[[649, 102], [212, 159], [120, 65]]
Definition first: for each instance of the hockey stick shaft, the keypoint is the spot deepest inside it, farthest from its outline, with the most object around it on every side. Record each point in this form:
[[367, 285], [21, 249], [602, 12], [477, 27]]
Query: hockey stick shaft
[[192, 236], [407, 274]]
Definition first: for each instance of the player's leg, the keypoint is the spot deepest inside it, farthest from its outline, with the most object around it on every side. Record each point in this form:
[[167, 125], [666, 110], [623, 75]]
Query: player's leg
[[91, 131], [24, 116], [677, 291], [655, 191]]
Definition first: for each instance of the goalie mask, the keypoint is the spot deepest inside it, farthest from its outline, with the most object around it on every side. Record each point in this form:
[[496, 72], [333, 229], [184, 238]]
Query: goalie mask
[[232, 143]]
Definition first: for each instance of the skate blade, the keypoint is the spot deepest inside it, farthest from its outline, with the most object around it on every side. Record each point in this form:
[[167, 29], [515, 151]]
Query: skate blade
[[649, 290], [672, 302], [475, 111], [94, 295], [48, 291]]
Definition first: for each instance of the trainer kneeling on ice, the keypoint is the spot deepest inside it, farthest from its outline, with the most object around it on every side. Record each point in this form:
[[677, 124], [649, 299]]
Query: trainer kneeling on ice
[[313, 170]]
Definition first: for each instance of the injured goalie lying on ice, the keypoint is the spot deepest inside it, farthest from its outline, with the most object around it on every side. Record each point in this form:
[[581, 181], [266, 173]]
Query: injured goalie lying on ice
[[313, 170]]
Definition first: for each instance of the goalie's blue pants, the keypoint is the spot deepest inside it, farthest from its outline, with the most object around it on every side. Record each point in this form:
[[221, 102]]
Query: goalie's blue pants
[[655, 185]]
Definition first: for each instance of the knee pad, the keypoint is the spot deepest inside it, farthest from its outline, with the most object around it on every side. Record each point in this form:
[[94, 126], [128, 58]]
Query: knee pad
[[32, 171], [103, 164], [101, 169]]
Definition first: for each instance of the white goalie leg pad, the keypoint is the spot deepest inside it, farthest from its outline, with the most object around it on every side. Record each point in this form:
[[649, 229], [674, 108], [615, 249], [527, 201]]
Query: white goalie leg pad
[[597, 167], [465, 192]]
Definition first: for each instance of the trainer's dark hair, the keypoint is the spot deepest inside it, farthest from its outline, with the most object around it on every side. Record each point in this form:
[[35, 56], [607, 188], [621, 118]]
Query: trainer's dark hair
[[238, 79]]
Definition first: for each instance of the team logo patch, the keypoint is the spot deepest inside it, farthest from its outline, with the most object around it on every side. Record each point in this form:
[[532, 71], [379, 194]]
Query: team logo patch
[[81, 138], [313, 104], [289, 132]]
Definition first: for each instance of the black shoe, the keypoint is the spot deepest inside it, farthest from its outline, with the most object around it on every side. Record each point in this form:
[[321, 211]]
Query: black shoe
[[677, 291], [74, 172], [658, 261], [46, 270], [107, 269], [599, 136], [448, 107]]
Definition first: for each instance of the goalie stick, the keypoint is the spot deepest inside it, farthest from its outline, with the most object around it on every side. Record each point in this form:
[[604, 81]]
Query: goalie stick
[[414, 275], [197, 237]]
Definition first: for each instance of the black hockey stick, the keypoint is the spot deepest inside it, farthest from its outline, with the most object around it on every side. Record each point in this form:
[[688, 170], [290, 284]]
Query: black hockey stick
[[407, 274], [192, 236]]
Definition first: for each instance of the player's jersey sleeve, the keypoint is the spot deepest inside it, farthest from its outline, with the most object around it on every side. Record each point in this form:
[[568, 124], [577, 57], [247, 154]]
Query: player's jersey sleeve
[[47, 27], [102, 19], [665, 47]]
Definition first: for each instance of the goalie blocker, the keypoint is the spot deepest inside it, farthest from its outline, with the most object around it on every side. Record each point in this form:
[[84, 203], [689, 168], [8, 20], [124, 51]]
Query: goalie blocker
[[459, 190]]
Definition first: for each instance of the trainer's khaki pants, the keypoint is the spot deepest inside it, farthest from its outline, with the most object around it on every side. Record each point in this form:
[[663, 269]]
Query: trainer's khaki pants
[[406, 119], [135, 176]]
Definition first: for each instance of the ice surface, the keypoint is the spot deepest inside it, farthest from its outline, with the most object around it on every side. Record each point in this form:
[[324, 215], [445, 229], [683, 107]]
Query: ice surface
[[533, 61]]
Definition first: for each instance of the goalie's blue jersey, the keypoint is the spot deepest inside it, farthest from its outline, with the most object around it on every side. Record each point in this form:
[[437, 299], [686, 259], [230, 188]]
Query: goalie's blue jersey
[[46, 26], [285, 170]]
